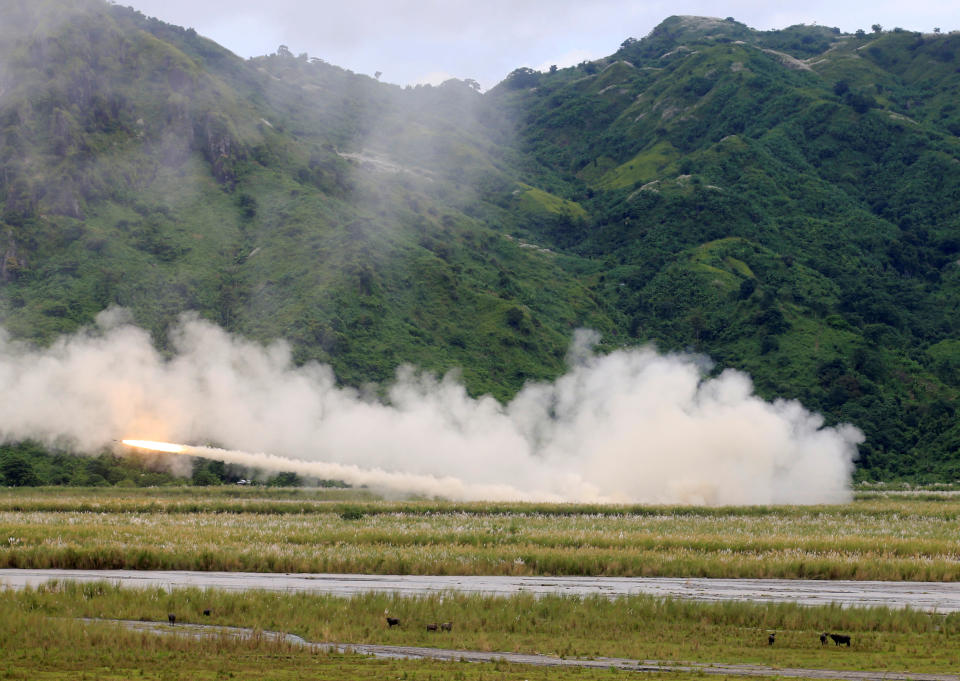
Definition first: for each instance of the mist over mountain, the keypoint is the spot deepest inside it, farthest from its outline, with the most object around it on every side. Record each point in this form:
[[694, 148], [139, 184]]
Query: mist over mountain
[[783, 202]]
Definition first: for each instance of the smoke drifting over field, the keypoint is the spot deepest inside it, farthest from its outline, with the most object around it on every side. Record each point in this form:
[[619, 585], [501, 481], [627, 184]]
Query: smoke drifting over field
[[631, 426]]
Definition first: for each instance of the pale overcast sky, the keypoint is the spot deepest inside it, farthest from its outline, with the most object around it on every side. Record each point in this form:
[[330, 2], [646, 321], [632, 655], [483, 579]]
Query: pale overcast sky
[[424, 41]]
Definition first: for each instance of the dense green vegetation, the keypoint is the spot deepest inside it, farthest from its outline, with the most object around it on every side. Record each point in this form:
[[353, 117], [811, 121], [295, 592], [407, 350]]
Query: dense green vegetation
[[783, 201], [794, 219], [147, 167]]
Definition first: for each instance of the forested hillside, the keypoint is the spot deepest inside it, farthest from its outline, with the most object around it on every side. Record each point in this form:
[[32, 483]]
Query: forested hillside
[[785, 202]]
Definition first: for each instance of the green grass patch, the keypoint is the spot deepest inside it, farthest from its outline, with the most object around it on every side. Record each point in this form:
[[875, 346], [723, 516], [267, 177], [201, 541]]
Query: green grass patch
[[36, 646], [537, 201], [650, 164], [636, 627]]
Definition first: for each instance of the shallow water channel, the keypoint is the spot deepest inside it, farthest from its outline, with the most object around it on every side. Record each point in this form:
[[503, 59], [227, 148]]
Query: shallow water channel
[[929, 596]]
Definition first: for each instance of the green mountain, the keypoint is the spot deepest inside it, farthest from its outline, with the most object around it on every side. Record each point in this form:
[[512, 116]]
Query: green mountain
[[783, 201], [147, 167]]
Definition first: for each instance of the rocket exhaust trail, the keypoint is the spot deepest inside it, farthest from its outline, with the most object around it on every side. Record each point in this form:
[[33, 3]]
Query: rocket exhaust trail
[[155, 446], [426, 485]]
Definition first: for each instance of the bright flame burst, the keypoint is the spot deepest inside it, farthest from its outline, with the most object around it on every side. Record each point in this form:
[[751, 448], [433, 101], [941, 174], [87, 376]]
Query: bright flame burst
[[156, 446]]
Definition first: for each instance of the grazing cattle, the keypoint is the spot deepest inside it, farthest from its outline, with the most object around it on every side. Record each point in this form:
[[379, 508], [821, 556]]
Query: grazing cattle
[[823, 639], [206, 612], [447, 626], [171, 618], [393, 621], [432, 627], [841, 639], [770, 638]]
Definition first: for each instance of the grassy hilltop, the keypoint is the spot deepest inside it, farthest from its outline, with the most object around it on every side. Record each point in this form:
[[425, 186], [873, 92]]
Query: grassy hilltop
[[783, 201]]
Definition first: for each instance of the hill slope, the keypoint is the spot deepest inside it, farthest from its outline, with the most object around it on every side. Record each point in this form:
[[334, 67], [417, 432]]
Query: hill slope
[[147, 167], [784, 201], [786, 210]]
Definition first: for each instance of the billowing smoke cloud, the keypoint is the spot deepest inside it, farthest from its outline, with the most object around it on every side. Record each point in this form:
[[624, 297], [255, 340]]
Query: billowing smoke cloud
[[630, 426]]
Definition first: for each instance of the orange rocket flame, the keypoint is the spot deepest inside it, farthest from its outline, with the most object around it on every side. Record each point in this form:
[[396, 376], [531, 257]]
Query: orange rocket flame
[[156, 446]]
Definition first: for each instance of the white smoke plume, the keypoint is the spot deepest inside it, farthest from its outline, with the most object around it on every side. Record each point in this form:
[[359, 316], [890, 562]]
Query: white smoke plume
[[630, 426]]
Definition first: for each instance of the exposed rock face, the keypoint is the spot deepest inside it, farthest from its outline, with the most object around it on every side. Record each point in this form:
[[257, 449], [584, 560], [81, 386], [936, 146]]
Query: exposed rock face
[[64, 198], [219, 146], [11, 263]]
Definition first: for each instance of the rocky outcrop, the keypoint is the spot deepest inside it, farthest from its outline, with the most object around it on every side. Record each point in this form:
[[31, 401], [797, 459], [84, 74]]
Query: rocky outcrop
[[219, 143], [11, 262]]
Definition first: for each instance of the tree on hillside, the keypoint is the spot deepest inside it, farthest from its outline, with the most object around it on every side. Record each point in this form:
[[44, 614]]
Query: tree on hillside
[[877, 28], [523, 78]]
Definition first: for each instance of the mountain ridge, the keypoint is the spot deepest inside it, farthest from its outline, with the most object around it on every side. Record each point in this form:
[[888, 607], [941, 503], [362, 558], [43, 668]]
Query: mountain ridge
[[780, 200]]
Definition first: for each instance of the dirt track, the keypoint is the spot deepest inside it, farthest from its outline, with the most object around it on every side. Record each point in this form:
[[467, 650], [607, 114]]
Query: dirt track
[[413, 652]]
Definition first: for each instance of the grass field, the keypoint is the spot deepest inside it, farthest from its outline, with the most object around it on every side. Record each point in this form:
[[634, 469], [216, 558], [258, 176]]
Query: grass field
[[875, 537], [878, 536], [634, 627], [36, 647]]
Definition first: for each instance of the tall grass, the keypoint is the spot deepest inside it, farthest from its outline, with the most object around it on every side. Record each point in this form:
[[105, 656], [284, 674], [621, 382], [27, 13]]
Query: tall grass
[[876, 538], [639, 627], [59, 649]]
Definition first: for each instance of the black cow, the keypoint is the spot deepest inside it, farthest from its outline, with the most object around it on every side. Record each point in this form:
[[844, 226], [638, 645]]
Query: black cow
[[393, 621], [770, 638], [823, 639], [447, 626], [841, 639], [171, 618], [432, 627]]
